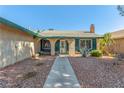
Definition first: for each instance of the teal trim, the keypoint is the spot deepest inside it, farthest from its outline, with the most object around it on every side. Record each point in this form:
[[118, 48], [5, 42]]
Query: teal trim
[[67, 47], [77, 47], [57, 45], [11, 24], [94, 43]]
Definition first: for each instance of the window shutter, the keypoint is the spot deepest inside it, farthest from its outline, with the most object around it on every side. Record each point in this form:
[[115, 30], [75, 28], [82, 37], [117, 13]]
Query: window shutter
[[94, 43], [77, 45]]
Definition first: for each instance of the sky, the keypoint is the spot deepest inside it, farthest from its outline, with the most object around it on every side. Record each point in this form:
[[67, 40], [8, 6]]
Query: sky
[[105, 18]]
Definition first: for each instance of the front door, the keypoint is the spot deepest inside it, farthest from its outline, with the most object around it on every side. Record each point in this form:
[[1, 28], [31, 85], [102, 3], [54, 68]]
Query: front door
[[62, 46]]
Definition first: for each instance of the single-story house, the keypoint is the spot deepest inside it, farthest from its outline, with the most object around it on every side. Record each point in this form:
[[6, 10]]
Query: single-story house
[[118, 37], [18, 43], [68, 42]]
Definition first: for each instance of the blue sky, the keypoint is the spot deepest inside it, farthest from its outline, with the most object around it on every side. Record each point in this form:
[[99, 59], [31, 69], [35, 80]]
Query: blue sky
[[105, 18]]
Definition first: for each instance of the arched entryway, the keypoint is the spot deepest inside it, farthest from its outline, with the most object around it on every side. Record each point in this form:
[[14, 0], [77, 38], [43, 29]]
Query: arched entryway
[[57, 47], [61, 47], [45, 46]]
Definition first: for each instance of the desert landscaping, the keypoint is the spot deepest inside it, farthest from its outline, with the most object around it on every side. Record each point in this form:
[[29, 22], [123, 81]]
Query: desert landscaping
[[29, 73], [95, 72]]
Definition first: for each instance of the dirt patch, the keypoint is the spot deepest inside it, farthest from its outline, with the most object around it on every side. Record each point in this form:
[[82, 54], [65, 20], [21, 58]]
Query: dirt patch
[[39, 64], [29, 73], [98, 72]]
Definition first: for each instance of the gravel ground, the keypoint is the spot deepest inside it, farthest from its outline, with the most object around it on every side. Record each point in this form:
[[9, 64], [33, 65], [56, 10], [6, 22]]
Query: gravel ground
[[29, 73], [98, 72]]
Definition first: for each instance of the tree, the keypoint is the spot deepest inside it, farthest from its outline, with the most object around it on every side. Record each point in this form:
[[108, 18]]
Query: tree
[[38, 32], [105, 44], [121, 9]]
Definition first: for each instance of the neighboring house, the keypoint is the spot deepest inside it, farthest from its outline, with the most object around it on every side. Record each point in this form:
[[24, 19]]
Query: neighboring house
[[118, 37], [18, 43]]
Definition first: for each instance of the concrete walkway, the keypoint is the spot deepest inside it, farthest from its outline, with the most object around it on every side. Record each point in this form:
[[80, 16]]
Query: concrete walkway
[[61, 75]]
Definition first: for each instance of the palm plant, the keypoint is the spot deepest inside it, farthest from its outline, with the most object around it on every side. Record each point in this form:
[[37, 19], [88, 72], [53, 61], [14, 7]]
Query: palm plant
[[105, 43]]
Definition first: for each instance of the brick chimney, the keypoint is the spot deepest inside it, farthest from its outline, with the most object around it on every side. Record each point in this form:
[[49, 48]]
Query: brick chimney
[[92, 28]]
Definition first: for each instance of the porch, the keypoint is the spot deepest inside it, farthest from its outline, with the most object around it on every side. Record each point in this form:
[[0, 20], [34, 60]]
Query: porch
[[66, 46], [56, 46]]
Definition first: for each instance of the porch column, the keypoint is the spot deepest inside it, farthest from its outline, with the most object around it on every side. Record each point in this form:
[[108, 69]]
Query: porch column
[[52, 42], [71, 47], [37, 44]]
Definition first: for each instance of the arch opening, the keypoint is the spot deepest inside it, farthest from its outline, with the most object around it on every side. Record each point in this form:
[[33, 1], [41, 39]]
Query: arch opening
[[61, 47], [45, 46]]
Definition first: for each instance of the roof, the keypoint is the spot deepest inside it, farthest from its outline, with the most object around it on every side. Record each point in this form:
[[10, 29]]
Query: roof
[[51, 33], [11, 24], [57, 33], [117, 34]]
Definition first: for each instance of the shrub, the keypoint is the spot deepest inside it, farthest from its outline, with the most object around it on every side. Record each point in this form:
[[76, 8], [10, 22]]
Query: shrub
[[40, 53], [96, 53]]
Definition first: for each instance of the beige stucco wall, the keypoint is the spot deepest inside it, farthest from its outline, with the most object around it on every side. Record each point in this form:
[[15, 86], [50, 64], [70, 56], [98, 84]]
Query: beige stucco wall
[[71, 47], [98, 43], [9, 39], [37, 44], [118, 47]]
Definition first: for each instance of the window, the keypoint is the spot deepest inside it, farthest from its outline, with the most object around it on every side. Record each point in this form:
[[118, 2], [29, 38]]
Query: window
[[86, 43], [45, 44], [82, 44]]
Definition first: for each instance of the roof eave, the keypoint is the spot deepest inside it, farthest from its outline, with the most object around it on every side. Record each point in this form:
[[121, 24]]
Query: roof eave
[[68, 37], [16, 26]]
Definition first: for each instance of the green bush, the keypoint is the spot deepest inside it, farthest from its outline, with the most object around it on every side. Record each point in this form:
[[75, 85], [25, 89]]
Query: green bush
[[40, 53], [96, 53]]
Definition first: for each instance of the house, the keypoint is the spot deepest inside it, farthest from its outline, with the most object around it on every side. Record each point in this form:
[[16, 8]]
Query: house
[[68, 42], [118, 37], [18, 43]]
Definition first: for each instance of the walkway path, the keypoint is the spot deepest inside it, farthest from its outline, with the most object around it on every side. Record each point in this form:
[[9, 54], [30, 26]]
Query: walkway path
[[61, 75]]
